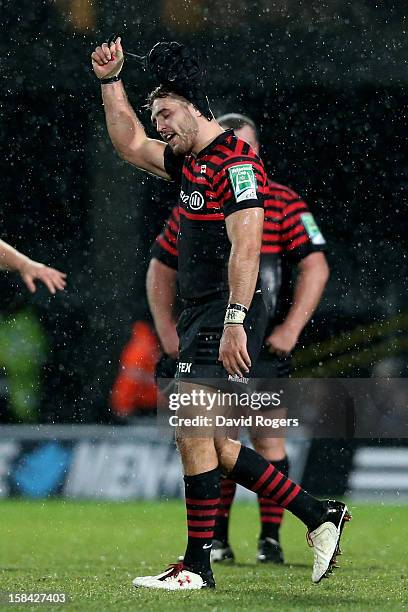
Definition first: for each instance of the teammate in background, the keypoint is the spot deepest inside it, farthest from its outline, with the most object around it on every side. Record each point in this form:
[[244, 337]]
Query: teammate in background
[[30, 271], [290, 239], [223, 184]]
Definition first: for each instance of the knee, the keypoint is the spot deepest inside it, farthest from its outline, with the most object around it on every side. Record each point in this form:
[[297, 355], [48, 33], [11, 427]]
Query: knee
[[272, 449], [227, 451], [192, 445]]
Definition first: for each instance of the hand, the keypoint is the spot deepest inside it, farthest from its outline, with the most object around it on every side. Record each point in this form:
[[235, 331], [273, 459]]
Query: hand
[[233, 350], [32, 270], [282, 340], [107, 61], [169, 340]]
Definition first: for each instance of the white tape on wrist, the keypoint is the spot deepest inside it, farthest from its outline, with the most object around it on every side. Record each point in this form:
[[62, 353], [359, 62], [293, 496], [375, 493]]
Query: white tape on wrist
[[235, 314]]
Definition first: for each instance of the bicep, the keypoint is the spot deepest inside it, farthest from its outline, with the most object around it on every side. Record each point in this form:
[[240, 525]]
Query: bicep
[[244, 227], [148, 156]]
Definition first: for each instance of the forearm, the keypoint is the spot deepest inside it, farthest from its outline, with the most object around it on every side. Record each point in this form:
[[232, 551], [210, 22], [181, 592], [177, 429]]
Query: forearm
[[125, 130], [161, 294], [309, 287], [245, 233], [242, 274], [11, 259]]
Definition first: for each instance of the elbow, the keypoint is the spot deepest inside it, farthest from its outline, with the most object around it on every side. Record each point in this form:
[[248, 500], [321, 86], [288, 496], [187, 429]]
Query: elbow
[[128, 154]]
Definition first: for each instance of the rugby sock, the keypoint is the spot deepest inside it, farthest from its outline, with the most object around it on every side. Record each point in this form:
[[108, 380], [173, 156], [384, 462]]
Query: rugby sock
[[271, 513], [228, 488], [257, 474], [202, 500]]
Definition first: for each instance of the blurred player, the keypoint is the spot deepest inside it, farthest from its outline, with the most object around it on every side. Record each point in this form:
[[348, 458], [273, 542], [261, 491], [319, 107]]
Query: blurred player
[[223, 184], [287, 242], [29, 270]]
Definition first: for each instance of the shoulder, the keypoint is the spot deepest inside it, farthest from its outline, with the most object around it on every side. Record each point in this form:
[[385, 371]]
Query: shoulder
[[282, 192], [235, 155]]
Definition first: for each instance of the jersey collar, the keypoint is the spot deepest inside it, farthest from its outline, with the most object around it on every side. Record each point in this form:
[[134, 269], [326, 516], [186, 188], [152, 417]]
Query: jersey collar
[[220, 138]]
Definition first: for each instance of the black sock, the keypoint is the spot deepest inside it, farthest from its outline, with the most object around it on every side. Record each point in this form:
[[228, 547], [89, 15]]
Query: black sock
[[228, 488], [257, 474], [202, 501], [270, 512]]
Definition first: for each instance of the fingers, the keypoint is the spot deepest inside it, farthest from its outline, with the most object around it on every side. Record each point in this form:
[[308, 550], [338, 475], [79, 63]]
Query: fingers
[[246, 358], [50, 285], [116, 47], [52, 279], [236, 362], [106, 53], [103, 54], [29, 283]]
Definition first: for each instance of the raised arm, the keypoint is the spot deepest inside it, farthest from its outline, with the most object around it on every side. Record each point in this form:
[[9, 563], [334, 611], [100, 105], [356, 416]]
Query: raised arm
[[125, 130], [11, 259]]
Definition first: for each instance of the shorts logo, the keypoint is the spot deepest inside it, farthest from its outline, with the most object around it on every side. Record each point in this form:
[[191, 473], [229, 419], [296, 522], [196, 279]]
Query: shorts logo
[[184, 367], [240, 379], [312, 229], [243, 182], [196, 200]]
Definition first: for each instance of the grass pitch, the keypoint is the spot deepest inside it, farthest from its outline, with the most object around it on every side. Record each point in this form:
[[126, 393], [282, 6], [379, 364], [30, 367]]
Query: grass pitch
[[92, 551]]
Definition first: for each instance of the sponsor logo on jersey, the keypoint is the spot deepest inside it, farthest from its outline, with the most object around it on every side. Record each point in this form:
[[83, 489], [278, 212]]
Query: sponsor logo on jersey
[[184, 367], [184, 197], [312, 229], [196, 200], [243, 182]]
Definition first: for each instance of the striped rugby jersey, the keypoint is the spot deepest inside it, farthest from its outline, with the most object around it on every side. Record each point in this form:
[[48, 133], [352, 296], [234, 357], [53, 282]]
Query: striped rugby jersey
[[290, 234], [225, 177]]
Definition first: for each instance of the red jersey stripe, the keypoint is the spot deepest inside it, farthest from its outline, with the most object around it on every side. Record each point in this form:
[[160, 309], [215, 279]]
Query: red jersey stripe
[[209, 217], [166, 246]]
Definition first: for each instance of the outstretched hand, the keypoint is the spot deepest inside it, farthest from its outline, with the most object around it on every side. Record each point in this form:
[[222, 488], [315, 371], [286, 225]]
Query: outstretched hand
[[107, 60], [52, 278]]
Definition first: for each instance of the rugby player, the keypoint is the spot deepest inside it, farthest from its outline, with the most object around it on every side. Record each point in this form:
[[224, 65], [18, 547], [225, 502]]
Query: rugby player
[[290, 238], [30, 270], [221, 329]]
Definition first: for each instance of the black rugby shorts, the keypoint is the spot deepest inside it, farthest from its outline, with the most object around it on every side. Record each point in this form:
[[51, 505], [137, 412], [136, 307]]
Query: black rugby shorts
[[200, 329]]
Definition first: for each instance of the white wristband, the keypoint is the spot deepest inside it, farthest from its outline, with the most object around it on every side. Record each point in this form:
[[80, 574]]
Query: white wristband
[[235, 314]]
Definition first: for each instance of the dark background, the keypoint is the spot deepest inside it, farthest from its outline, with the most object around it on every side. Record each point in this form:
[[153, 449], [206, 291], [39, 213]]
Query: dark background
[[327, 84]]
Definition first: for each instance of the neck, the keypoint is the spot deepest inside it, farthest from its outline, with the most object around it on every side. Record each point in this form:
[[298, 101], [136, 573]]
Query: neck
[[206, 135]]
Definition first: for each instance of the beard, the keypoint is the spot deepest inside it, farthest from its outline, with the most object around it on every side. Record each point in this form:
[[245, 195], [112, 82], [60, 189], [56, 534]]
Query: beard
[[185, 136]]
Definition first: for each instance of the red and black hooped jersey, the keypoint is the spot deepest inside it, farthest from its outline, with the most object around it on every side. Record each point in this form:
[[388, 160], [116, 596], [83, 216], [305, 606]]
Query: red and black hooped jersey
[[225, 177], [290, 234]]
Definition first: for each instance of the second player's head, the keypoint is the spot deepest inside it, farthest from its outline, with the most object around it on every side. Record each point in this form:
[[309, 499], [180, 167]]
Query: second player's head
[[244, 127]]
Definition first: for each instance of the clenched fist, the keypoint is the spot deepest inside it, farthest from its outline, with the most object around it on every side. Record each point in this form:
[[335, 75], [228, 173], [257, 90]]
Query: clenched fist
[[107, 60]]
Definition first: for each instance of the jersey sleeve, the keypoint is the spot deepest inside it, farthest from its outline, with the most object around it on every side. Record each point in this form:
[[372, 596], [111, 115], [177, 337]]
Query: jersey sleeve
[[164, 247], [240, 183], [300, 233], [173, 164]]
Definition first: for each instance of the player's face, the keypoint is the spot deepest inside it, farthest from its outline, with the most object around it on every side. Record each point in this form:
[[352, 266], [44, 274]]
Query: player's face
[[176, 124], [248, 134]]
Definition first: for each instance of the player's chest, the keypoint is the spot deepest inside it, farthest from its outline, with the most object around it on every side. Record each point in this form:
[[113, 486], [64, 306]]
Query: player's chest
[[197, 199]]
